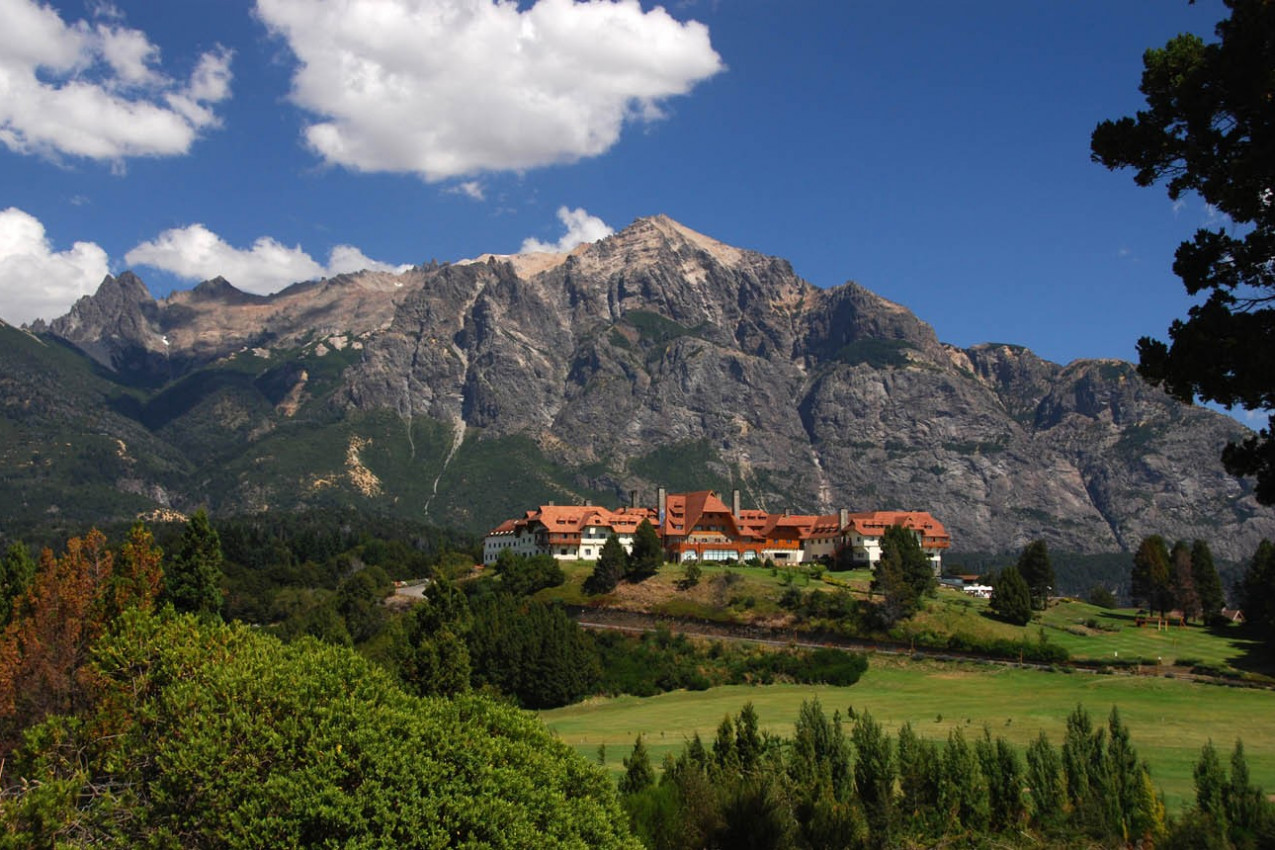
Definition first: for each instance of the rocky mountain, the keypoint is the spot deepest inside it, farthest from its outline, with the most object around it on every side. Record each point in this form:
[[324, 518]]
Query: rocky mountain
[[465, 392]]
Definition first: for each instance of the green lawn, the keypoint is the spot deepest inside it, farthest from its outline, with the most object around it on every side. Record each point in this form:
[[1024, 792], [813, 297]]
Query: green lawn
[[1169, 719], [1070, 624]]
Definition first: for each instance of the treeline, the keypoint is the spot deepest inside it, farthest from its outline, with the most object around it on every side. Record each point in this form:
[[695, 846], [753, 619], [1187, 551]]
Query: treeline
[[826, 787]]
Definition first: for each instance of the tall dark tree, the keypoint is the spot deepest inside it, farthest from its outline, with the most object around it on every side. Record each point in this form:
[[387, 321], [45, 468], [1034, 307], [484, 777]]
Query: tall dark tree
[[638, 773], [1257, 590], [1035, 568], [1208, 585], [1209, 129], [610, 568], [1182, 581], [192, 579], [903, 575], [1149, 579], [647, 553], [17, 568], [1011, 598]]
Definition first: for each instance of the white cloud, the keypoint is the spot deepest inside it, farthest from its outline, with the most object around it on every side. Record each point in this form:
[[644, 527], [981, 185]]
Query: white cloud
[[94, 90], [196, 253], [448, 88], [35, 281], [581, 228], [470, 189]]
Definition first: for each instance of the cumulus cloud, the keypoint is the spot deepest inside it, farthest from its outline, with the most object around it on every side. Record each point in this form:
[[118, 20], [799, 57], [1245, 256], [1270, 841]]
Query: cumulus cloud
[[195, 253], [581, 227], [95, 90], [37, 282], [446, 88]]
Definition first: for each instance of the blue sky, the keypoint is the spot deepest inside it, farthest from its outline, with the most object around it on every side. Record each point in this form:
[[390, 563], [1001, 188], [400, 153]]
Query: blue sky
[[934, 152]]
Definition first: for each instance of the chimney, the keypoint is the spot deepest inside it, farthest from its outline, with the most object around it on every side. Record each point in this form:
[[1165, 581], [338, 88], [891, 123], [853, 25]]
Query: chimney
[[662, 503], [633, 498], [551, 503], [843, 518], [734, 501]]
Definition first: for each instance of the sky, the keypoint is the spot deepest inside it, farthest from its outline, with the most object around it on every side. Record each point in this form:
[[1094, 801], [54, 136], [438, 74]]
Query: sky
[[934, 152]]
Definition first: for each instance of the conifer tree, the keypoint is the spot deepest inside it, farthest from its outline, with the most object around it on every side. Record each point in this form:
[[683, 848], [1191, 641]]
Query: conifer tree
[[647, 553], [17, 568], [1149, 579], [1037, 570], [1182, 581], [638, 773], [192, 582], [1011, 597], [610, 568], [1208, 585]]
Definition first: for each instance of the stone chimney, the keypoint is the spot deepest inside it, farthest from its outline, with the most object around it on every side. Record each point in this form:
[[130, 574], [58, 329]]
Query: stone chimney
[[633, 498], [843, 518], [662, 502], [734, 501]]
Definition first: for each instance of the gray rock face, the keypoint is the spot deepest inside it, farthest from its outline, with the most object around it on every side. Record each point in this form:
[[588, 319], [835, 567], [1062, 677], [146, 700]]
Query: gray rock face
[[806, 399]]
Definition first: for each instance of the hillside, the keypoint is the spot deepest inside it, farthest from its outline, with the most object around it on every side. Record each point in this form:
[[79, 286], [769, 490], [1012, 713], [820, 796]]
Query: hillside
[[658, 356]]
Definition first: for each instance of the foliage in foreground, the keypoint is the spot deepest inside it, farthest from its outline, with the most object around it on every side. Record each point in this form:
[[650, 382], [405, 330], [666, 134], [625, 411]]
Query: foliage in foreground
[[828, 787], [206, 735]]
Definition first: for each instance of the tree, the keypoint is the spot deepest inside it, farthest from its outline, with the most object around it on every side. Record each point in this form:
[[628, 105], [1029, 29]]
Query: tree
[[192, 582], [1182, 581], [1208, 585], [1209, 128], [903, 574], [435, 658], [610, 568], [1038, 572], [139, 571], [647, 553], [1010, 597], [1149, 579], [16, 571], [1102, 596], [44, 648], [1257, 590], [638, 773], [874, 775]]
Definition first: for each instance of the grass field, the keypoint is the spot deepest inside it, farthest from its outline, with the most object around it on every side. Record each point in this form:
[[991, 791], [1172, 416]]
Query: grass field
[[1169, 719]]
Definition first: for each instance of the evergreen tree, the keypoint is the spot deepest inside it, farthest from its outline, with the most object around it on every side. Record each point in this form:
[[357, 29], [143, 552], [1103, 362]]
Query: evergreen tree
[[1037, 570], [192, 582], [1011, 598], [610, 568], [1045, 778], [16, 571], [1149, 579], [1257, 590], [139, 572], [963, 794], [435, 657], [1182, 581], [903, 574], [1210, 789], [874, 777], [647, 553], [638, 773], [1208, 585], [1248, 815], [748, 742]]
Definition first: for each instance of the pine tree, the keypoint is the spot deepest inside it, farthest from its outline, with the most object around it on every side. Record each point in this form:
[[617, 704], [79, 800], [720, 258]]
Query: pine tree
[[647, 553], [610, 568], [1011, 597], [1149, 579], [1037, 570], [1182, 581], [1208, 585], [139, 572], [1257, 590], [16, 571], [874, 777], [1045, 778], [638, 773], [193, 581]]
